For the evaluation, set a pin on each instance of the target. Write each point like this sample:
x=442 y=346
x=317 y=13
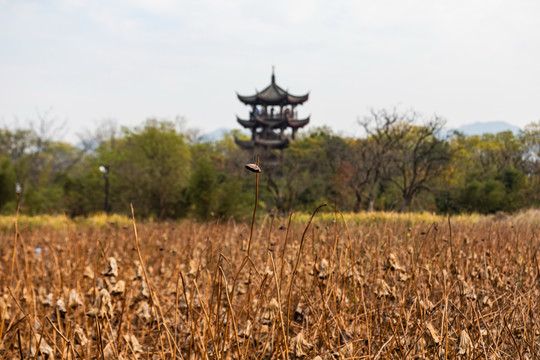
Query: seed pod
x=253 y=168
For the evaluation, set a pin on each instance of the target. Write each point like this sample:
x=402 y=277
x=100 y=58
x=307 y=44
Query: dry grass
x=390 y=289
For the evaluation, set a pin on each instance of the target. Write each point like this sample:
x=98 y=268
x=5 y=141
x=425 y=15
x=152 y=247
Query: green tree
x=7 y=182
x=203 y=183
x=149 y=167
x=303 y=174
x=486 y=174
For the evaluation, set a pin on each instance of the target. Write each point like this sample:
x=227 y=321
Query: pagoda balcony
x=271 y=116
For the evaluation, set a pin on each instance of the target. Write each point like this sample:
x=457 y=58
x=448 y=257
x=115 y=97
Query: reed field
x=331 y=286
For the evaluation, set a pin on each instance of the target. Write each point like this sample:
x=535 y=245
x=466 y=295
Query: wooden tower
x=273 y=111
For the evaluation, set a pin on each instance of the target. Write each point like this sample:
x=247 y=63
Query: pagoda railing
x=277 y=116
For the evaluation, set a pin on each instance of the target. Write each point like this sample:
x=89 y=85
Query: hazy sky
x=128 y=60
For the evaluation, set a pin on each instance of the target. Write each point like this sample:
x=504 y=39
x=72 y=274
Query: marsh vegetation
x=376 y=286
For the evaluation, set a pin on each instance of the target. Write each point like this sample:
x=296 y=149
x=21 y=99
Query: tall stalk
x=15 y=237
x=255 y=207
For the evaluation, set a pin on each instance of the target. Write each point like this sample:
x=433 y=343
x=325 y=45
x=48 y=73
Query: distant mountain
x=214 y=135
x=477 y=128
x=490 y=127
x=217 y=135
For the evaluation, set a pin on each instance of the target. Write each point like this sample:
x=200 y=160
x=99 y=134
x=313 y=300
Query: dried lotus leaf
x=323 y=269
x=61 y=306
x=382 y=289
x=88 y=273
x=300 y=346
x=80 y=337
x=102 y=305
x=119 y=288
x=112 y=267
x=74 y=299
x=465 y=343
x=433 y=337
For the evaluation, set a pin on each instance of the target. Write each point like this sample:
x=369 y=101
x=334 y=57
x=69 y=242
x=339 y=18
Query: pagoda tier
x=275 y=123
x=273 y=111
x=273 y=144
x=273 y=95
x=298 y=123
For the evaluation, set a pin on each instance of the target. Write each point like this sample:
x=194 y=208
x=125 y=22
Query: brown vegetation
x=391 y=290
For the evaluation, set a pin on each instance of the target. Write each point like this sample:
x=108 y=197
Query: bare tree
x=106 y=132
x=398 y=151
x=47 y=129
x=530 y=138
x=191 y=135
x=36 y=152
x=418 y=157
x=372 y=155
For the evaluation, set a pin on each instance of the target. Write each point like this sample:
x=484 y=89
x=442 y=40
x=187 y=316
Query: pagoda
x=273 y=110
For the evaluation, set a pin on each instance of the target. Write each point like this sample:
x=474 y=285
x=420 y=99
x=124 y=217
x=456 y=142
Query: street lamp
x=18 y=191
x=105 y=170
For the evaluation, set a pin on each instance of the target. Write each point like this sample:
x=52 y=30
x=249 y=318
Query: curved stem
x=15 y=238
x=254 y=209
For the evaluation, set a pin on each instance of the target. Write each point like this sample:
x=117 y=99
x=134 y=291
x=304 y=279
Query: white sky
x=128 y=60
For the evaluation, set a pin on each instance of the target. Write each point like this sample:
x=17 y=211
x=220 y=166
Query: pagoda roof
x=273 y=123
x=245 y=144
x=273 y=143
x=246 y=123
x=298 y=123
x=273 y=95
x=270 y=143
x=270 y=122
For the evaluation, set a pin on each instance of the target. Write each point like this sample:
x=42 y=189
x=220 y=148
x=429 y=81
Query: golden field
x=352 y=286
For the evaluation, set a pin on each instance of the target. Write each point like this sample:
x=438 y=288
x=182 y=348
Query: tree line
x=402 y=162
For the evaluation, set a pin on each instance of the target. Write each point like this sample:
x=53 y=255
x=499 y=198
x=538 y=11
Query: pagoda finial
x=273 y=76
